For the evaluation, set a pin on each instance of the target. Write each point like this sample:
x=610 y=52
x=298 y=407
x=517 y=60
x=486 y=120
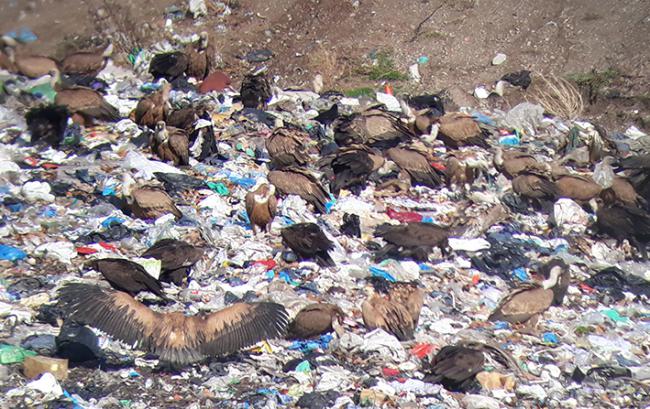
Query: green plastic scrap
x=125 y=403
x=303 y=367
x=219 y=187
x=11 y=354
x=614 y=316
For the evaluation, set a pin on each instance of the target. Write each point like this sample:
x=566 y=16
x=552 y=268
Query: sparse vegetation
x=126 y=33
x=594 y=81
x=383 y=68
x=360 y=92
x=327 y=62
x=559 y=97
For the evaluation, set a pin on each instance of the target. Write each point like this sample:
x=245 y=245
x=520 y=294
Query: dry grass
x=558 y=96
x=126 y=32
x=327 y=63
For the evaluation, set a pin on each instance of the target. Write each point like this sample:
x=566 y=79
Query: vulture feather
x=406 y=294
x=528 y=302
x=296 y=181
x=350 y=167
x=578 y=188
x=455 y=367
x=624 y=222
x=261 y=206
x=255 y=91
x=534 y=186
x=149 y=202
x=457 y=129
x=85 y=62
x=314 y=320
x=287 y=147
x=308 y=241
x=200 y=60
x=416 y=164
x=174 y=337
x=176 y=258
x=153 y=108
x=512 y=163
x=411 y=240
x=374 y=127
x=169 y=66
x=87 y=105
x=125 y=275
x=392 y=317
x=47 y=124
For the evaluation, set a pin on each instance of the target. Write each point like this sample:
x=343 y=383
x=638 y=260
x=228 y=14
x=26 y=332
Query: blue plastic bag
x=11 y=253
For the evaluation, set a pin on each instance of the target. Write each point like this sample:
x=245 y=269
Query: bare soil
x=336 y=37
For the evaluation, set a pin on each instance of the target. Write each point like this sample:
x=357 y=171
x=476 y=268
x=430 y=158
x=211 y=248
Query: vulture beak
x=593 y=203
x=338 y=327
x=554 y=275
x=108 y=51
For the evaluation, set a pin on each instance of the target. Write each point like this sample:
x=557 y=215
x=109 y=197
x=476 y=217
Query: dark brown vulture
x=622 y=192
x=84 y=104
x=417 y=164
x=194 y=62
x=578 y=188
x=85 y=62
x=308 y=241
x=171 y=145
x=526 y=303
x=176 y=256
x=31 y=66
x=623 y=222
x=149 y=202
x=455 y=367
x=261 y=206
x=373 y=127
x=297 y=181
x=255 y=91
x=393 y=307
x=534 y=186
x=350 y=167
x=457 y=129
x=512 y=163
x=314 y=320
x=411 y=240
x=125 y=275
x=153 y=108
x=47 y=124
x=177 y=339
x=288 y=147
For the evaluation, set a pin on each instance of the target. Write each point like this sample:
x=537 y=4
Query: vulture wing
x=297 y=182
x=175 y=338
x=522 y=304
x=152 y=203
x=179 y=144
x=416 y=165
x=168 y=65
x=174 y=254
x=82 y=63
x=389 y=316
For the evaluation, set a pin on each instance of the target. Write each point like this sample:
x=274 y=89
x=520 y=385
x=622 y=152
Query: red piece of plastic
x=404 y=217
x=49 y=166
x=388 y=89
x=269 y=264
x=438 y=166
x=217 y=81
x=584 y=287
x=86 y=250
x=475 y=279
x=390 y=372
x=31 y=161
x=107 y=246
x=421 y=350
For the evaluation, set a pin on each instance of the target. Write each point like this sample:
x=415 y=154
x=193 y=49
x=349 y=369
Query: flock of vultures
x=393 y=152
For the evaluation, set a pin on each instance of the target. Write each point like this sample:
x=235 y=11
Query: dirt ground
x=336 y=37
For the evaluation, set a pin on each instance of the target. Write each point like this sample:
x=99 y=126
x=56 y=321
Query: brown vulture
x=308 y=241
x=177 y=339
x=393 y=307
x=373 y=127
x=314 y=320
x=171 y=145
x=417 y=164
x=261 y=206
x=149 y=202
x=32 y=66
x=300 y=182
x=176 y=256
x=622 y=192
x=85 y=62
x=350 y=167
x=200 y=60
x=637 y=169
x=458 y=129
x=287 y=147
x=528 y=302
x=578 y=188
x=623 y=222
x=512 y=163
x=194 y=62
x=125 y=275
x=411 y=240
x=153 y=108
x=255 y=90
x=534 y=186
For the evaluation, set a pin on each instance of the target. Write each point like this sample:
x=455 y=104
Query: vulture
x=525 y=304
x=314 y=320
x=153 y=108
x=637 y=169
x=622 y=192
x=308 y=241
x=534 y=186
x=148 y=202
x=411 y=240
x=176 y=338
x=373 y=127
x=623 y=222
x=428 y=101
x=127 y=276
x=86 y=63
x=457 y=129
x=393 y=307
x=417 y=164
x=31 y=66
x=176 y=256
x=578 y=188
x=351 y=225
x=455 y=366
x=350 y=167
x=7 y=57
x=171 y=145
x=287 y=147
x=261 y=206
x=563 y=282
x=84 y=104
x=47 y=124
x=327 y=117
x=463 y=168
x=195 y=63
x=512 y=163
x=184 y=118
x=255 y=91
x=296 y=181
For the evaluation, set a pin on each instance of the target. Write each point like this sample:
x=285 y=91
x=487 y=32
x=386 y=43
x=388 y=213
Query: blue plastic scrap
x=550 y=338
x=110 y=221
x=378 y=272
x=520 y=274
x=11 y=253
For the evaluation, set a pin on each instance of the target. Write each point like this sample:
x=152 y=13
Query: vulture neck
x=498 y=157
x=55 y=80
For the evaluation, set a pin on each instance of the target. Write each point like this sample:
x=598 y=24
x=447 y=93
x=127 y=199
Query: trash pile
x=168 y=240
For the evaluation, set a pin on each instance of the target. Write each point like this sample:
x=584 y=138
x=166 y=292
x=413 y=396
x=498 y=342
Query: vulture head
x=263 y=192
x=9 y=47
x=161 y=135
x=203 y=40
x=128 y=185
x=554 y=276
x=498 y=157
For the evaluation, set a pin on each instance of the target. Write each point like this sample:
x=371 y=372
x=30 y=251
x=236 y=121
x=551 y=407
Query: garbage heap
x=465 y=208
